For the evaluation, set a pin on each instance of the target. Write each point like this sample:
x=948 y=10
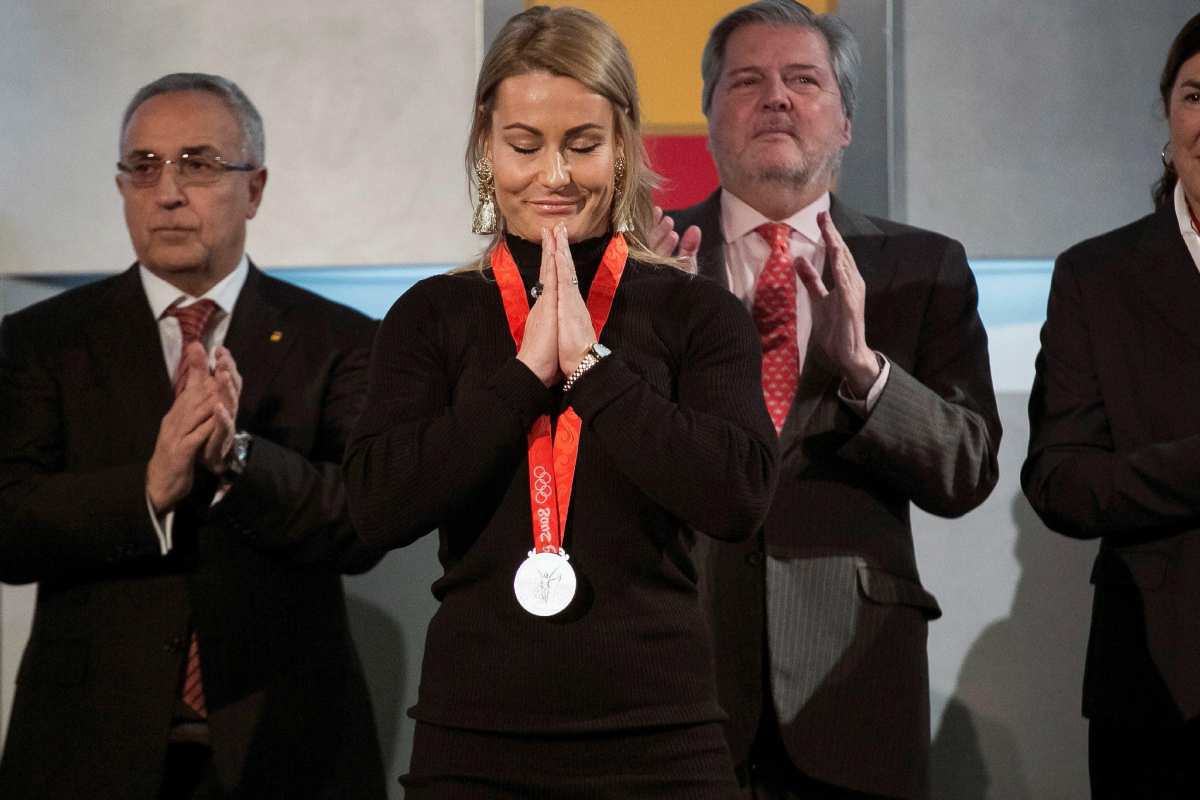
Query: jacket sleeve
x=425 y=445
x=709 y=456
x=1075 y=478
x=54 y=519
x=934 y=434
x=293 y=504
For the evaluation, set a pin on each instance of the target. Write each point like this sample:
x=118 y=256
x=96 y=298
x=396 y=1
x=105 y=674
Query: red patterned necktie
x=193 y=321
x=774 y=314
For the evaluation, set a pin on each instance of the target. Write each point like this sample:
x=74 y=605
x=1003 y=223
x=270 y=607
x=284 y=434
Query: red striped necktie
x=774 y=313
x=193 y=322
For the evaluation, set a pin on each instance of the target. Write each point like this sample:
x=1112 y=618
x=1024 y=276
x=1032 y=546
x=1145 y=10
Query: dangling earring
x=1166 y=162
x=484 y=221
x=620 y=220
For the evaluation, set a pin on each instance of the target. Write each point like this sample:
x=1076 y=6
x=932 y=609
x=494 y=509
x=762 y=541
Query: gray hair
x=254 y=148
x=844 y=54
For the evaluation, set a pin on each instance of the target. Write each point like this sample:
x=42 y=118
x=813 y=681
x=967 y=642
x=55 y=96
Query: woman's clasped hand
x=559 y=329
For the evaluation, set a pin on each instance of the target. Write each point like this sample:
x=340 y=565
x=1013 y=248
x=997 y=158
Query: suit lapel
x=1166 y=275
x=127 y=349
x=258 y=339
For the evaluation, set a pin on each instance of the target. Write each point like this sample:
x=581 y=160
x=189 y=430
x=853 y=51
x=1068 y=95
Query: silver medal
x=544 y=583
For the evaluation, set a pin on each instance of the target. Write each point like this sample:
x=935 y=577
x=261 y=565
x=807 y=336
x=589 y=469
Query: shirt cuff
x=162 y=527
x=864 y=407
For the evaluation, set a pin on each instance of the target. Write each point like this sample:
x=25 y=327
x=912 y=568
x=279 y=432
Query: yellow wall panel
x=665 y=39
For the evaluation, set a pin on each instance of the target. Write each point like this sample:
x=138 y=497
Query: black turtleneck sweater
x=675 y=438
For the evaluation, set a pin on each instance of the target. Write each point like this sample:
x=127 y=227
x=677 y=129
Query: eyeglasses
x=192 y=169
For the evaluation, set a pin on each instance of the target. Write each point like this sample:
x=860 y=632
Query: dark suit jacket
x=83 y=387
x=831 y=581
x=1114 y=452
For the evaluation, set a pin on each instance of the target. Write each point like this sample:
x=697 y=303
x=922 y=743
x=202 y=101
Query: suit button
x=754 y=559
x=174 y=645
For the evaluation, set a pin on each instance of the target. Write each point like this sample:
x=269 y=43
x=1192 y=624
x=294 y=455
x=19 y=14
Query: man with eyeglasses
x=169 y=448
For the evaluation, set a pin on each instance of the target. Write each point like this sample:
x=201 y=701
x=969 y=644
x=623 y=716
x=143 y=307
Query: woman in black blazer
x=1114 y=454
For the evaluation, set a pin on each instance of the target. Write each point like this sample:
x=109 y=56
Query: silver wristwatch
x=590 y=359
x=239 y=454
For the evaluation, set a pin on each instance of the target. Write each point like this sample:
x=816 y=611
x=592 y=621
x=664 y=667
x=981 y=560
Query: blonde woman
x=565 y=415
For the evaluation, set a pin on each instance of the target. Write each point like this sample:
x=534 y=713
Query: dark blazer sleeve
x=1075 y=477
x=293 y=503
x=934 y=433
x=55 y=518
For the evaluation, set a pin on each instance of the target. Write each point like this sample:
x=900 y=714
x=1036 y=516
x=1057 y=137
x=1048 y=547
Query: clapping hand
x=226 y=384
x=184 y=429
x=839 y=311
x=665 y=242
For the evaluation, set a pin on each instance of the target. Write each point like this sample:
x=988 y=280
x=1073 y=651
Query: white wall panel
x=366 y=105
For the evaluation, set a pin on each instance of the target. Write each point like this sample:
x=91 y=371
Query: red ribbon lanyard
x=552 y=459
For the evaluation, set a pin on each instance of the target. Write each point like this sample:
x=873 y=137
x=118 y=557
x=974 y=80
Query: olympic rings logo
x=541 y=485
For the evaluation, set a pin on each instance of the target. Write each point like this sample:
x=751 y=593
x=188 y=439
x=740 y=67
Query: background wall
x=364 y=102
x=1018 y=126
x=1027 y=126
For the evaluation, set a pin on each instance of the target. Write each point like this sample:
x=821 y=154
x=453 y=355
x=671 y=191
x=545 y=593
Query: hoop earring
x=1167 y=162
x=484 y=221
x=620 y=220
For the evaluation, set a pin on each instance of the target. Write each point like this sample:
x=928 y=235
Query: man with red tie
x=875 y=371
x=170 y=441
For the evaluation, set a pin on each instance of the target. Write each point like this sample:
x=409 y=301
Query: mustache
x=781 y=125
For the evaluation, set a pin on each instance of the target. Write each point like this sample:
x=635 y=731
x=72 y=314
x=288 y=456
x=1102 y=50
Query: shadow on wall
x=390 y=608
x=380 y=642
x=1013 y=729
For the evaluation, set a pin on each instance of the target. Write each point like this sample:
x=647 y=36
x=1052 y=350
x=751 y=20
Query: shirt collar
x=224 y=293
x=739 y=219
x=1181 y=212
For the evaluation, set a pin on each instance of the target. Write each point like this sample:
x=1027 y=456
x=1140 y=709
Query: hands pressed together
x=198 y=429
x=559 y=329
x=839 y=310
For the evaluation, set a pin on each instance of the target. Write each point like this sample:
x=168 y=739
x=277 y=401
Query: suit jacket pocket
x=885 y=588
x=1146 y=569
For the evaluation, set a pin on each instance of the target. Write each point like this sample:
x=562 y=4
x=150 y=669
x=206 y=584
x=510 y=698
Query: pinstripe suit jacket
x=831 y=580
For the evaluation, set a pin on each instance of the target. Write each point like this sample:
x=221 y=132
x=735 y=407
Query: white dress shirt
x=162 y=296
x=746 y=254
x=1190 y=237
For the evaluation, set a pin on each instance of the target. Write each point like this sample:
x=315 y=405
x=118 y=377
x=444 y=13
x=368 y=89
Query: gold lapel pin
x=276 y=336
